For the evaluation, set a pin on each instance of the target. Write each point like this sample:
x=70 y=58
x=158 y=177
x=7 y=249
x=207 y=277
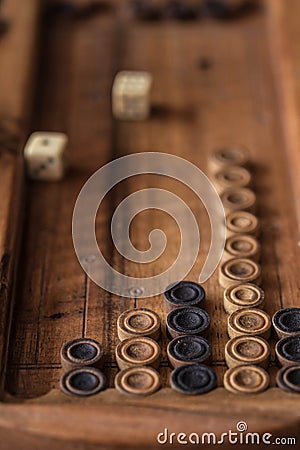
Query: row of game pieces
x=247 y=353
x=185 y=302
x=183 y=10
x=138 y=354
x=186 y=326
x=248 y=326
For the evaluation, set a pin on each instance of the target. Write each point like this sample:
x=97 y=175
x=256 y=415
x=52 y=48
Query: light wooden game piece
x=232 y=176
x=131 y=95
x=228 y=156
x=239 y=270
x=242 y=246
x=138 y=322
x=45 y=155
x=241 y=222
x=249 y=322
x=138 y=381
x=243 y=296
x=140 y=351
x=244 y=350
x=246 y=380
x=235 y=199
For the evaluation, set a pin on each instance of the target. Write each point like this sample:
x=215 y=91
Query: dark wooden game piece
x=242 y=246
x=83 y=382
x=246 y=379
x=188 y=350
x=193 y=379
x=235 y=199
x=244 y=350
x=141 y=351
x=184 y=293
x=288 y=350
x=228 y=9
x=250 y=322
x=137 y=323
x=288 y=378
x=146 y=11
x=239 y=270
x=180 y=10
x=187 y=321
x=242 y=222
x=138 y=381
x=81 y=352
x=286 y=322
x=243 y=296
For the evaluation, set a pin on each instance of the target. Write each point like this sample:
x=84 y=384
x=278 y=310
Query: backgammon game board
x=149 y=224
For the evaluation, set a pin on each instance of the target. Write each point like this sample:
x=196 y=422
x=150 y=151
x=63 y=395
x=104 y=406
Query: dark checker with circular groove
x=188 y=350
x=184 y=293
x=288 y=350
x=193 y=379
x=189 y=320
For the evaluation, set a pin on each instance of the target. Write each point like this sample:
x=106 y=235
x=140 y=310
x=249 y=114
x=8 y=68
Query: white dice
x=131 y=95
x=45 y=157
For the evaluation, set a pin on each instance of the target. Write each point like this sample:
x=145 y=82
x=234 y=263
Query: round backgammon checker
x=83 y=382
x=249 y=322
x=239 y=270
x=184 y=293
x=246 y=379
x=193 y=379
x=241 y=246
x=187 y=321
x=232 y=176
x=188 y=350
x=288 y=350
x=244 y=350
x=242 y=222
x=233 y=155
x=81 y=352
x=235 y=199
x=139 y=322
x=286 y=322
x=138 y=381
x=288 y=379
x=243 y=296
x=141 y=351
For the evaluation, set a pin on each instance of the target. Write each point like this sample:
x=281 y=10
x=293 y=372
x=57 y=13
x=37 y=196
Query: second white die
x=131 y=95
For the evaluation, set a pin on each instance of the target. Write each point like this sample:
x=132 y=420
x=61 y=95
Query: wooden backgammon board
x=217 y=81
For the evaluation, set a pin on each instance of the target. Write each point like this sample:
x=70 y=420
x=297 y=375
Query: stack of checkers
x=247 y=353
x=138 y=354
x=188 y=351
x=81 y=360
x=286 y=323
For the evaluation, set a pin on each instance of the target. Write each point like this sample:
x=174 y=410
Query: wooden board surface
x=236 y=97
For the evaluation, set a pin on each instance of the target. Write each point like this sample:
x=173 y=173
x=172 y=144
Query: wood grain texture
x=17 y=58
x=235 y=99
